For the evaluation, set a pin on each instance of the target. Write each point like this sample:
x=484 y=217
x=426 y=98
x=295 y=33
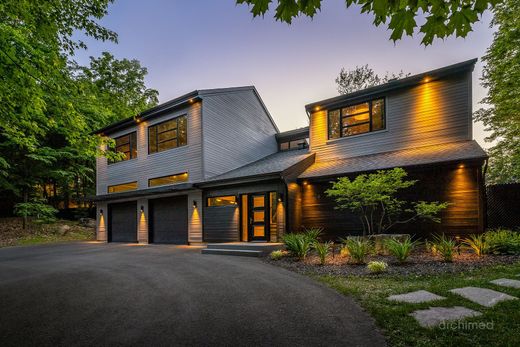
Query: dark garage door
x=169 y=220
x=122 y=225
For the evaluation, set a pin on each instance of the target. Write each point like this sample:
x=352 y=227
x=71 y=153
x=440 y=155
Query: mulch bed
x=419 y=263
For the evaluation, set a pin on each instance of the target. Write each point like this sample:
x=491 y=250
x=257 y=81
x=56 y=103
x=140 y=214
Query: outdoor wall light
x=101 y=212
x=280 y=197
x=194 y=203
x=142 y=209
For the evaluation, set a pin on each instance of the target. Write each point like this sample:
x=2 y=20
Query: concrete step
x=236 y=252
x=263 y=247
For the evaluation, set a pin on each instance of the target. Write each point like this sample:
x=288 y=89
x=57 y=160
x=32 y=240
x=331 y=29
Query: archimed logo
x=461 y=325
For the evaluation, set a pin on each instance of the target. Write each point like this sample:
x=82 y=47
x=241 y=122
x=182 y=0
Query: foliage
x=401 y=250
x=358 y=248
x=377 y=266
x=441 y=18
x=444 y=246
x=323 y=250
x=362 y=77
x=298 y=244
x=373 y=198
x=500 y=76
x=277 y=255
x=343 y=251
x=477 y=243
x=312 y=234
x=503 y=241
x=37 y=209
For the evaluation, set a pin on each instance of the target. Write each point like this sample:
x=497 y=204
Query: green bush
x=277 y=255
x=298 y=244
x=358 y=249
x=444 y=246
x=37 y=208
x=377 y=266
x=313 y=234
x=401 y=250
x=477 y=243
x=323 y=250
x=503 y=241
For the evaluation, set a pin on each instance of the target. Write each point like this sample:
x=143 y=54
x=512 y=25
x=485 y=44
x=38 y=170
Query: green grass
x=52 y=238
x=402 y=330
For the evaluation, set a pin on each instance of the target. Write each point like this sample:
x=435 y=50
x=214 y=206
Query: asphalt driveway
x=116 y=294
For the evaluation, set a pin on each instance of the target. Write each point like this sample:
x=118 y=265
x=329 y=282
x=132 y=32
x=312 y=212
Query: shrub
x=377 y=266
x=444 y=246
x=400 y=249
x=477 y=243
x=277 y=255
x=298 y=244
x=503 y=241
x=323 y=250
x=358 y=248
x=312 y=234
x=343 y=251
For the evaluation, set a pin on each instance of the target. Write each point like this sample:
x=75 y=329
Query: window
x=172 y=179
x=118 y=188
x=222 y=201
x=295 y=144
x=167 y=135
x=357 y=119
x=126 y=144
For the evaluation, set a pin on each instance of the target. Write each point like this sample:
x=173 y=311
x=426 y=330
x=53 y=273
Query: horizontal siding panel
x=221 y=224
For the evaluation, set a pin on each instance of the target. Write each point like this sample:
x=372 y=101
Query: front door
x=258 y=217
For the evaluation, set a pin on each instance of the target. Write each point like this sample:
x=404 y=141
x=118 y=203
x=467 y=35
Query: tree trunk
x=25 y=200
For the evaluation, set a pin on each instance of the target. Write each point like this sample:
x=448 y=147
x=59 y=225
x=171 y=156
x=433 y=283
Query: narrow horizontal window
x=172 y=179
x=126 y=144
x=168 y=134
x=222 y=201
x=295 y=144
x=118 y=188
x=357 y=119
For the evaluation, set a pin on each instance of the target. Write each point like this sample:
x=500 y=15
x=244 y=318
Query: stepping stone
x=483 y=296
x=506 y=282
x=415 y=297
x=434 y=316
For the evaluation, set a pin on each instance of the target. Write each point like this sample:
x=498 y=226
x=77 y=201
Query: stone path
x=434 y=316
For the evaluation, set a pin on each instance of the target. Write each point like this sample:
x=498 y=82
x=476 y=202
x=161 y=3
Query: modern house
x=212 y=166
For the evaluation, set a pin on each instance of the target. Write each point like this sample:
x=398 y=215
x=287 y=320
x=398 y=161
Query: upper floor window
x=168 y=134
x=357 y=119
x=295 y=144
x=171 y=179
x=126 y=144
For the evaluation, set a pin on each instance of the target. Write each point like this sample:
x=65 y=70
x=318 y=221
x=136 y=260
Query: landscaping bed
x=13 y=234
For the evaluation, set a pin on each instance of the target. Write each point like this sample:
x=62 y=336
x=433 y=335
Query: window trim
x=109 y=162
x=176 y=138
x=168 y=184
x=369 y=122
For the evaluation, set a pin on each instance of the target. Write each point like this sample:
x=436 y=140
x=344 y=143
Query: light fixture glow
x=142 y=209
x=194 y=203
x=101 y=212
x=427 y=79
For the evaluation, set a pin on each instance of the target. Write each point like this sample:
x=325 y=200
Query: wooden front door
x=258 y=217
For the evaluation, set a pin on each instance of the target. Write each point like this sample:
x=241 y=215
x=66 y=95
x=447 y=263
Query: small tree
x=374 y=198
x=35 y=208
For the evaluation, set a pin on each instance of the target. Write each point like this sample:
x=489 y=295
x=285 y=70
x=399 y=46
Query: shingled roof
x=449 y=152
x=272 y=164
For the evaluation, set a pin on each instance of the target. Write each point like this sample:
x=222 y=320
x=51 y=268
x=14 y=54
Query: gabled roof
x=444 y=153
x=179 y=102
x=393 y=85
x=274 y=164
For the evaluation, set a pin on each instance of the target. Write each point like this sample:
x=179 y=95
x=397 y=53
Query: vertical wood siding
x=177 y=160
x=236 y=131
x=427 y=114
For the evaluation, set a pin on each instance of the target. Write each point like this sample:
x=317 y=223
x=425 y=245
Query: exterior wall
x=427 y=114
x=195 y=217
x=142 y=221
x=236 y=131
x=101 y=221
x=177 y=160
x=461 y=187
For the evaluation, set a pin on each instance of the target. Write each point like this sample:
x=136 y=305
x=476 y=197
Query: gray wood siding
x=236 y=131
x=177 y=160
x=427 y=114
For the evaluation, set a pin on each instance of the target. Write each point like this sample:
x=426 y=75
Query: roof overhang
x=177 y=188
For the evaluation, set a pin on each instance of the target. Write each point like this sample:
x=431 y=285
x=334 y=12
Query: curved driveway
x=115 y=294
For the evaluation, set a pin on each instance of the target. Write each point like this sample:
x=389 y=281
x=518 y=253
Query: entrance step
x=237 y=252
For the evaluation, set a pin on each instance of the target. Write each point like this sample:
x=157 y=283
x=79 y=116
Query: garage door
x=122 y=225
x=169 y=220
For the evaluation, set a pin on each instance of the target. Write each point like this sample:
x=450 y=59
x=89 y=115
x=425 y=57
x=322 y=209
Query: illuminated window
x=172 y=179
x=357 y=119
x=118 y=188
x=126 y=144
x=222 y=201
x=295 y=144
x=167 y=135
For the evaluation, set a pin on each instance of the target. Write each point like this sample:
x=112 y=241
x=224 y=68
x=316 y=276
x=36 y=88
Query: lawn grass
x=502 y=326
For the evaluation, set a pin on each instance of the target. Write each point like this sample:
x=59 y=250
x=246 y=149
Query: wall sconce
x=101 y=212
x=194 y=203
x=280 y=197
x=142 y=209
